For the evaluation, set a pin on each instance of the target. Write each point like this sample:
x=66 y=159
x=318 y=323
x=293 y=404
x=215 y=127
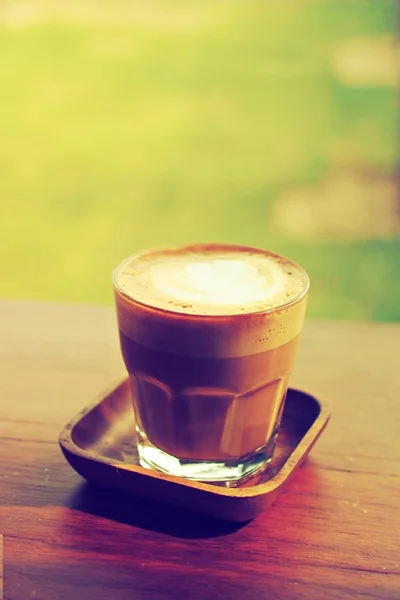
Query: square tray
x=99 y=443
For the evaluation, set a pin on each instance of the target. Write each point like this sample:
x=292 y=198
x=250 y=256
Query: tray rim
x=68 y=446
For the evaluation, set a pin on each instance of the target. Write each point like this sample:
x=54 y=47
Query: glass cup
x=208 y=391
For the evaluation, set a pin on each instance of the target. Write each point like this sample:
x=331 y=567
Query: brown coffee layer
x=208 y=408
x=223 y=336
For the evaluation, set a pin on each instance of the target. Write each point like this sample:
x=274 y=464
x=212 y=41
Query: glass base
x=229 y=472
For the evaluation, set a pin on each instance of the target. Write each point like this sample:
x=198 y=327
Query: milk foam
x=211 y=280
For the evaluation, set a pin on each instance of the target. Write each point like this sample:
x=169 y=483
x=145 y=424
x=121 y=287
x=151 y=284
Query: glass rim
x=300 y=296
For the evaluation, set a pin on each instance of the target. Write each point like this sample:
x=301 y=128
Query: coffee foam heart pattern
x=211 y=280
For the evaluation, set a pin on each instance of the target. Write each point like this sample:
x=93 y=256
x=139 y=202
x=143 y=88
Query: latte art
x=211 y=280
x=220 y=282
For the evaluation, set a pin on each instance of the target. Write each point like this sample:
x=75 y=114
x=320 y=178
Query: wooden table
x=333 y=533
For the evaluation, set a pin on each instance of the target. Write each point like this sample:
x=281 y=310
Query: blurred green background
x=131 y=124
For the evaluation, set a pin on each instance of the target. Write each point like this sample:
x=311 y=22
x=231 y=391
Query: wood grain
x=333 y=533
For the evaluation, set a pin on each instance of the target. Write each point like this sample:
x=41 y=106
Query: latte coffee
x=209 y=336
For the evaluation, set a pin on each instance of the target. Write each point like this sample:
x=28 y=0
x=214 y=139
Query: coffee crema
x=210 y=300
x=208 y=280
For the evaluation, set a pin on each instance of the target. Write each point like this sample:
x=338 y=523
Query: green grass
x=124 y=127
